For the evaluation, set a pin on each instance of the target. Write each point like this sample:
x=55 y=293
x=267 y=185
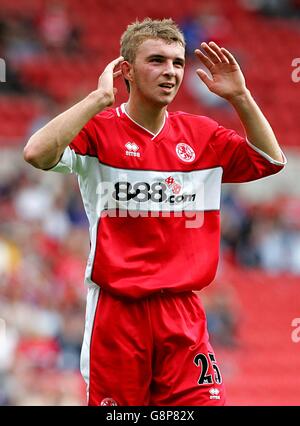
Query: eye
x=158 y=60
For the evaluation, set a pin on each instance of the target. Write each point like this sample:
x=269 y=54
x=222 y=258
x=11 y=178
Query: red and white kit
x=153 y=204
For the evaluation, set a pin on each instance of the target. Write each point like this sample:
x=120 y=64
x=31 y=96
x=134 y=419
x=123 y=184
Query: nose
x=169 y=69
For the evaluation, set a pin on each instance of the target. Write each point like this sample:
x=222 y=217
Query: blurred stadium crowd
x=44 y=242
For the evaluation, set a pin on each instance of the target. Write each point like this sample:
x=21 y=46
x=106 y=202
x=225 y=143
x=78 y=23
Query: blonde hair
x=137 y=32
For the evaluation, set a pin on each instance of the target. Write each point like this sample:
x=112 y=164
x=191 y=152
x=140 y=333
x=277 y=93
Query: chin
x=164 y=101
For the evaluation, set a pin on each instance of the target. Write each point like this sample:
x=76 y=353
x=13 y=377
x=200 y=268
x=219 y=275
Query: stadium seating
x=265 y=55
x=266 y=360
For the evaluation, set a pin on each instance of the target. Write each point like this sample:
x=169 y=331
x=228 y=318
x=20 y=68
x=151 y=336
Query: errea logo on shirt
x=132 y=149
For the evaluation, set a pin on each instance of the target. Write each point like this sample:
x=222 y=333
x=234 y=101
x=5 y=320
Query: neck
x=151 y=118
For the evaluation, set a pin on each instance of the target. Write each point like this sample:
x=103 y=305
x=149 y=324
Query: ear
x=127 y=71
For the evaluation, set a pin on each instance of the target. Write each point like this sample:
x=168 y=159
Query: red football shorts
x=152 y=351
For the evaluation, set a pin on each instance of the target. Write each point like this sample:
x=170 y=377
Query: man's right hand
x=106 y=89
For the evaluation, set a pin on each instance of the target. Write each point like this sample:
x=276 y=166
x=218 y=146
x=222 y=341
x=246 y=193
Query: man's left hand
x=227 y=78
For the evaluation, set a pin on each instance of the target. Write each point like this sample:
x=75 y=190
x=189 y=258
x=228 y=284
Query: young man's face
x=157 y=71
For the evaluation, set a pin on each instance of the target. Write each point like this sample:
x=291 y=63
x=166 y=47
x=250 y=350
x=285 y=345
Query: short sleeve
x=85 y=144
x=241 y=161
x=68 y=162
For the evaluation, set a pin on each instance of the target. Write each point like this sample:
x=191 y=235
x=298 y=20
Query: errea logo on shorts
x=185 y=152
x=132 y=149
x=214 y=393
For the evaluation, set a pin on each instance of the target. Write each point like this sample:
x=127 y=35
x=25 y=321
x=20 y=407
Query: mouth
x=167 y=86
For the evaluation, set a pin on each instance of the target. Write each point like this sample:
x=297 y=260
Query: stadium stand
x=57 y=70
x=260 y=368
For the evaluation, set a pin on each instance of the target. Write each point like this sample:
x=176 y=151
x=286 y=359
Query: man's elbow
x=32 y=156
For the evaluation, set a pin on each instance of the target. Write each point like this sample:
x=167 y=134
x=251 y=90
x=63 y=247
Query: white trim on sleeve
x=270 y=159
x=65 y=163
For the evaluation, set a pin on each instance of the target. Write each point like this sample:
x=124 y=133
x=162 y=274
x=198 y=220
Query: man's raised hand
x=106 y=87
x=227 y=78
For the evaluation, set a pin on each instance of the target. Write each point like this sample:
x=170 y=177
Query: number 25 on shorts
x=201 y=360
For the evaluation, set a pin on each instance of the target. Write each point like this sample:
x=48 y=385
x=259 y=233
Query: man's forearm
x=45 y=147
x=257 y=127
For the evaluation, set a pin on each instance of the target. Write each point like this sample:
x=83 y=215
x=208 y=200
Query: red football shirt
x=153 y=201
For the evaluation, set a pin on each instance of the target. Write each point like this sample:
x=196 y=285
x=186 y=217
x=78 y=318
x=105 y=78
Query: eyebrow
x=156 y=56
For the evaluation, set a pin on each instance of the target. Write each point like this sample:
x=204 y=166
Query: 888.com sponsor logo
x=154 y=198
x=156 y=192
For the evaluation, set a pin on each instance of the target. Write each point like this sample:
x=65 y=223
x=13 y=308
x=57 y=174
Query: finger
x=213 y=56
x=204 y=59
x=113 y=64
x=117 y=74
x=229 y=56
x=219 y=52
x=108 y=73
x=204 y=77
x=117 y=61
